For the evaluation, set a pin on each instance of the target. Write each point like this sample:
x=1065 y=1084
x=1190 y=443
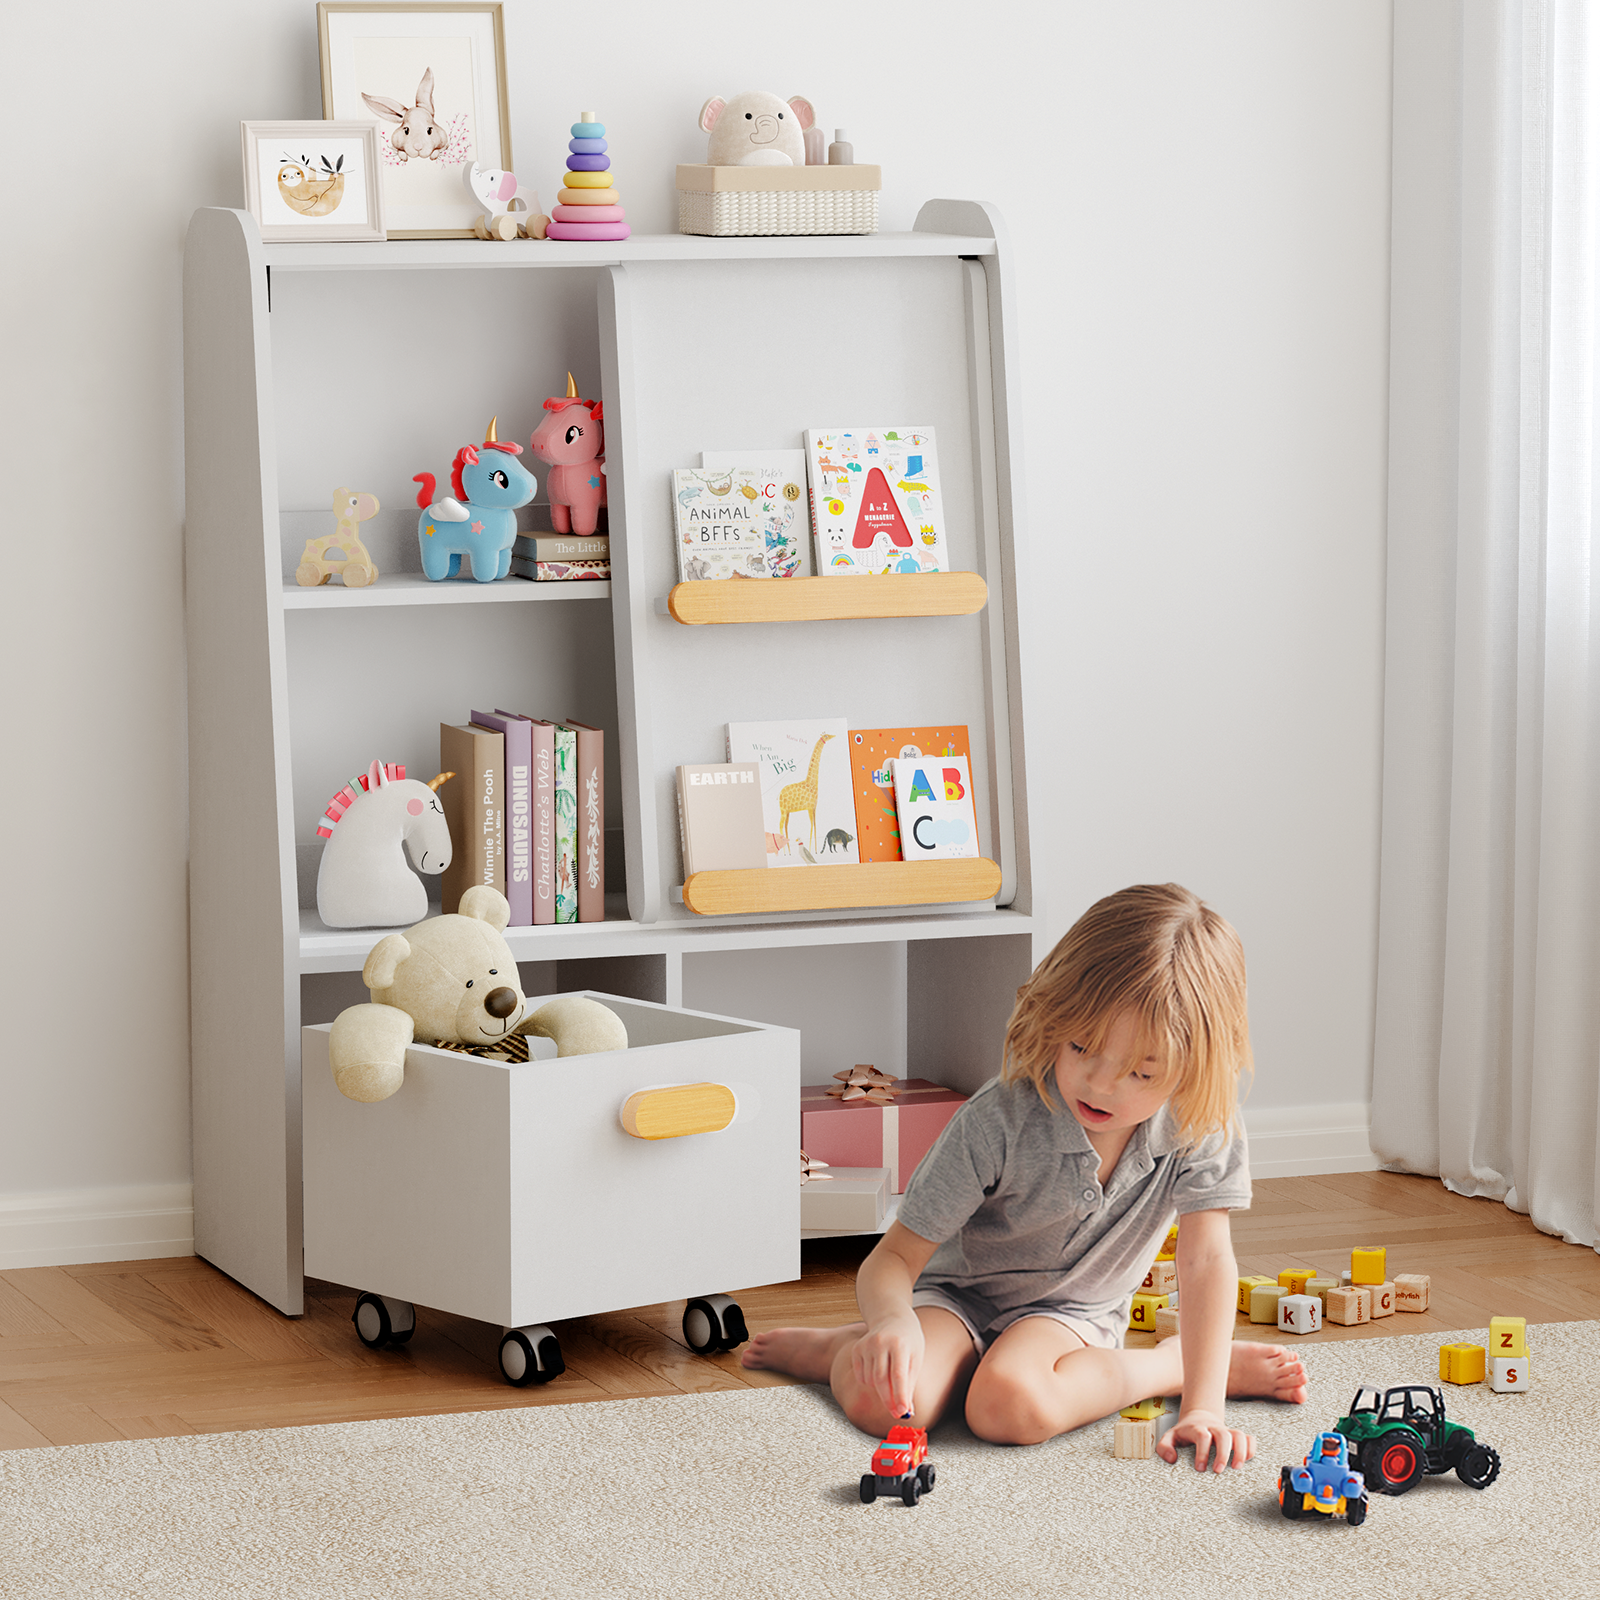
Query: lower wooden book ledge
x=868 y=883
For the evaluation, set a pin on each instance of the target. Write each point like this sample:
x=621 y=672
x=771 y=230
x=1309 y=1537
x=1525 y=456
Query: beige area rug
x=754 y=1494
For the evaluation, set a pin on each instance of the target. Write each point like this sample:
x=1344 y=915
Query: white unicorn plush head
x=373 y=825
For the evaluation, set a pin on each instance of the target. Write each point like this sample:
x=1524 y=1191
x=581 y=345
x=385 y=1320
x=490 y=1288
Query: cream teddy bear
x=453 y=980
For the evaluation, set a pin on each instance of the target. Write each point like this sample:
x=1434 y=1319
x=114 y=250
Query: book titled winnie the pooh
x=872 y=755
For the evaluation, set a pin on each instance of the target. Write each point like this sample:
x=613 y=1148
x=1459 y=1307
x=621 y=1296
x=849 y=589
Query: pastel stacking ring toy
x=588 y=207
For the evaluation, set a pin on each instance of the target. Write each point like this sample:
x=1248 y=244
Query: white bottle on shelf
x=841 y=153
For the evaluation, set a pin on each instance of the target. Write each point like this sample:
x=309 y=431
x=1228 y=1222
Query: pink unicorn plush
x=572 y=440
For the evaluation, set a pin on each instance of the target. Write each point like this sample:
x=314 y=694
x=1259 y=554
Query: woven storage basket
x=726 y=201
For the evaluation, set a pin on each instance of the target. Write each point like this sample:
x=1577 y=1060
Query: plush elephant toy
x=756 y=130
x=453 y=979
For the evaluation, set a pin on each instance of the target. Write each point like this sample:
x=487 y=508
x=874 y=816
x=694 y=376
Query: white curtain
x=1487 y=1048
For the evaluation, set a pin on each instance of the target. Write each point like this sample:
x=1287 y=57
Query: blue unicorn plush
x=481 y=520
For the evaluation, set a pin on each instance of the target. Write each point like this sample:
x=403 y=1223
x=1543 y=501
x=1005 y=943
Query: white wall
x=1199 y=201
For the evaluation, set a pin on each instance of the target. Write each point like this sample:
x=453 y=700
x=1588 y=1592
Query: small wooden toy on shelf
x=571 y=441
x=507 y=214
x=588 y=206
x=354 y=564
x=480 y=521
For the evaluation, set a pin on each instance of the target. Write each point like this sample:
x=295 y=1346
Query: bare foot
x=804 y=1353
x=1265 y=1372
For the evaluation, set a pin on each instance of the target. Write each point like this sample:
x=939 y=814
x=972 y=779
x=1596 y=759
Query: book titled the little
x=739 y=522
x=933 y=797
x=875 y=504
x=873 y=752
x=807 y=813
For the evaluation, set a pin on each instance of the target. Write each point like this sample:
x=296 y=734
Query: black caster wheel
x=381 y=1320
x=713 y=1324
x=530 y=1355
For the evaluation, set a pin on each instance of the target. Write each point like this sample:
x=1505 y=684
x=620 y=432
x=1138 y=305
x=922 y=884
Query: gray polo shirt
x=1009 y=1192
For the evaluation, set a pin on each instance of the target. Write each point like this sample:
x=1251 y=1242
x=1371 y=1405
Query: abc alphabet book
x=875 y=504
x=873 y=752
x=933 y=796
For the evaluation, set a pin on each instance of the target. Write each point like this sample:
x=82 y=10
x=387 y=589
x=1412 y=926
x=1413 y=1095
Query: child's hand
x=1212 y=1438
x=887 y=1360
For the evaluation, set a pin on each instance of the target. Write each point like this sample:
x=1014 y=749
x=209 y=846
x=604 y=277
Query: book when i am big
x=808 y=816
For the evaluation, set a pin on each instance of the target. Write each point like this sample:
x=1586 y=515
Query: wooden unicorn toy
x=480 y=521
x=357 y=567
x=572 y=440
x=372 y=825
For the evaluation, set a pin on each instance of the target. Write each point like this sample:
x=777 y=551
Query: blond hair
x=1160 y=955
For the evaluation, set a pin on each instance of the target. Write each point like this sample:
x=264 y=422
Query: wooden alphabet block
x=1350 y=1305
x=1170 y=1245
x=1411 y=1291
x=1382 y=1300
x=1144 y=1410
x=1510 y=1375
x=1508 y=1336
x=1264 y=1300
x=1142 y=1318
x=1367 y=1265
x=1134 y=1440
x=1462 y=1363
x=1319 y=1286
x=1166 y=1322
x=1299 y=1313
x=1246 y=1285
x=1162 y=1278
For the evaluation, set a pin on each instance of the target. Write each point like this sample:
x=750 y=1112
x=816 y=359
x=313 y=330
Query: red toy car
x=900 y=1466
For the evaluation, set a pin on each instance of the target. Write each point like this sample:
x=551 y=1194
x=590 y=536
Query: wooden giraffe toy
x=357 y=568
x=794 y=798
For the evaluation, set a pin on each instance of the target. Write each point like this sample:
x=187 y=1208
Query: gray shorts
x=1097 y=1329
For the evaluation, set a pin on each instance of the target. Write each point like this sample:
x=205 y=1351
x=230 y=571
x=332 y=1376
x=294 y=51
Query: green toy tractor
x=1402 y=1433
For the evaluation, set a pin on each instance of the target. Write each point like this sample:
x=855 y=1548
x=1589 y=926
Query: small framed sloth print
x=313 y=180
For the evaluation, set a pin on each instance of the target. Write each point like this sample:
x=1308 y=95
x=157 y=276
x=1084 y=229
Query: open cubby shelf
x=308 y=366
x=922 y=594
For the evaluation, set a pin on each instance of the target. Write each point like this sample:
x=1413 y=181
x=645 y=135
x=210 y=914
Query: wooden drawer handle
x=685 y=1108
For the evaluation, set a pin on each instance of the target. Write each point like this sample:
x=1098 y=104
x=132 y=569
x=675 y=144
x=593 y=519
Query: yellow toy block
x=1411 y=1291
x=1246 y=1285
x=1462 y=1363
x=1510 y=1375
x=1166 y=1322
x=1264 y=1300
x=1350 y=1306
x=1142 y=1319
x=1134 y=1440
x=1319 y=1286
x=1144 y=1411
x=1169 y=1246
x=1162 y=1278
x=1367 y=1266
x=1382 y=1300
x=1508 y=1336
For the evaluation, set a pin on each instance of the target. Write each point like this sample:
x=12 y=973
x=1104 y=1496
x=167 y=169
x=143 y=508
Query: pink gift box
x=860 y=1133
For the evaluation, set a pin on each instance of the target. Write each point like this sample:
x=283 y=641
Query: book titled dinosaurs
x=875 y=503
x=807 y=810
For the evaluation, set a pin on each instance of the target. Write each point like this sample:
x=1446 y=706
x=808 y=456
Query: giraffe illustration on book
x=793 y=798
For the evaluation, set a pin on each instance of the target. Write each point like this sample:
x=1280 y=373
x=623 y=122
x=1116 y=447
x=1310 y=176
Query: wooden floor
x=156 y=1349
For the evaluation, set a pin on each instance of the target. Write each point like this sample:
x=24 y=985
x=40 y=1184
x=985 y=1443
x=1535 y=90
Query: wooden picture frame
x=431 y=78
x=313 y=180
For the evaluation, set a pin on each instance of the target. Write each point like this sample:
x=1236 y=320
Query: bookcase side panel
x=959 y=995
x=243 y=985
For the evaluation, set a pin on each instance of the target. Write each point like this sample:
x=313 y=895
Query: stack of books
x=527 y=815
x=561 y=557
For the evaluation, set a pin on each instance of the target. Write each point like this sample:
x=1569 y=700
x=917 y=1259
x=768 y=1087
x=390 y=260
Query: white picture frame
x=431 y=78
x=313 y=181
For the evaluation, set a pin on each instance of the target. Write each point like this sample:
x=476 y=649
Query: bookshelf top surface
x=644 y=247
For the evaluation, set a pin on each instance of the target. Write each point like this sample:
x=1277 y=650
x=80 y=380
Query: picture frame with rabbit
x=434 y=78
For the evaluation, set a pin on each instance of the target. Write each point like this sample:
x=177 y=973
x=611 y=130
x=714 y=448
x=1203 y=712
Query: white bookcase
x=314 y=366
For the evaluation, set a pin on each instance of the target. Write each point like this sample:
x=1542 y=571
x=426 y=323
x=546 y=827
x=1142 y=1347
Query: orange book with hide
x=872 y=778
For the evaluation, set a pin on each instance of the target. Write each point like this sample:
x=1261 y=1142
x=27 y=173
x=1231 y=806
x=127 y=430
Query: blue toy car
x=1325 y=1483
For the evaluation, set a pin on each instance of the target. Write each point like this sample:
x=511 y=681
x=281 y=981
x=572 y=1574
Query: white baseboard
x=1301 y=1141
x=68 y=1227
